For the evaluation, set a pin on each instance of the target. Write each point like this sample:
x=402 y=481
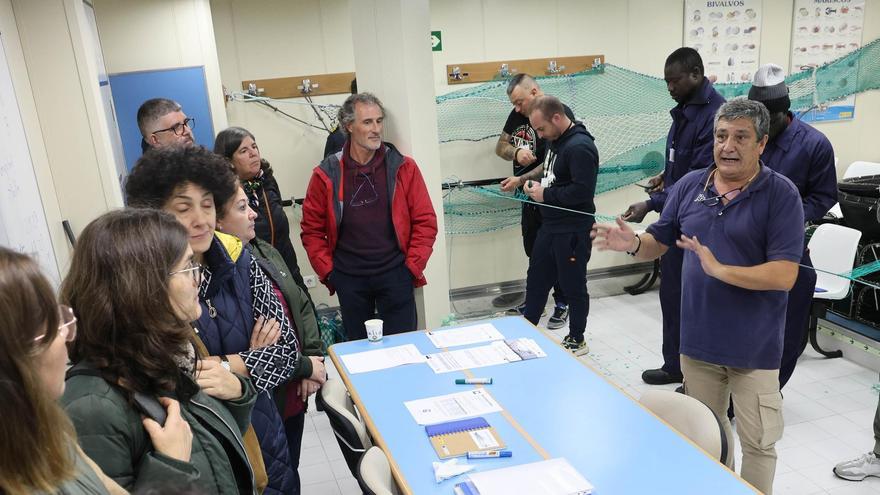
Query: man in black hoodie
x=562 y=247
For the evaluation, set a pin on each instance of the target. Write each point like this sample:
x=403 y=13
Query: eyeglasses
x=196 y=270
x=67 y=328
x=362 y=196
x=177 y=129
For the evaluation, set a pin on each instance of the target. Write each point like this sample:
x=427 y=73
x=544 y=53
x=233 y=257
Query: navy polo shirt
x=690 y=139
x=806 y=157
x=721 y=323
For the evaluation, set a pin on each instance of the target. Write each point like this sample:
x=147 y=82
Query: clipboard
x=457 y=438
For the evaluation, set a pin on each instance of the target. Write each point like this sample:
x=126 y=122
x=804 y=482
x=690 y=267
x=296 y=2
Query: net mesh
x=628 y=114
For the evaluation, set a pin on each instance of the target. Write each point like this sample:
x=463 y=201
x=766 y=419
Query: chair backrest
x=351 y=433
x=691 y=418
x=374 y=474
x=860 y=169
x=833 y=249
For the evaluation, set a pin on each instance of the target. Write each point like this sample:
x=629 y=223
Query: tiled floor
x=828 y=407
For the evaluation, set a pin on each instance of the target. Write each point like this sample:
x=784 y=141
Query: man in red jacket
x=368 y=224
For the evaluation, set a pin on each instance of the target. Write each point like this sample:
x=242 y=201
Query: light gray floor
x=828 y=407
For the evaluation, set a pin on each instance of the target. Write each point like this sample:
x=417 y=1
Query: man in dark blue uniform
x=740 y=225
x=688 y=147
x=804 y=155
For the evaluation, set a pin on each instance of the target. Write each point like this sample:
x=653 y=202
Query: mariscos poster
x=727 y=33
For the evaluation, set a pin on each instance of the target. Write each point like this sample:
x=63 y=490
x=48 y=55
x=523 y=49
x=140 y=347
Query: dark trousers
x=670 y=306
x=531 y=223
x=560 y=258
x=877 y=430
x=293 y=427
x=390 y=294
x=797 y=319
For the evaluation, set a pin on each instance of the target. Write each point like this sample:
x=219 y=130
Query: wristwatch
x=224 y=361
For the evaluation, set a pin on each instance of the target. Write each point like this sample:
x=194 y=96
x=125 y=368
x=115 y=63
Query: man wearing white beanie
x=804 y=155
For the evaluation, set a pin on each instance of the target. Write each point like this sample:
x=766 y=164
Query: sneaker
x=575 y=347
x=521 y=310
x=859 y=469
x=559 y=318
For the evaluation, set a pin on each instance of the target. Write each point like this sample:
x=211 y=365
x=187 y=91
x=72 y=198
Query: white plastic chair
x=691 y=418
x=832 y=249
x=855 y=169
x=351 y=433
x=374 y=474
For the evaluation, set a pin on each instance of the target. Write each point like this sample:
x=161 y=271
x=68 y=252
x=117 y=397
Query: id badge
x=545 y=182
x=671 y=155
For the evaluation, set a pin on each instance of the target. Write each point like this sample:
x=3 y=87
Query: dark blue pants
x=531 y=223
x=562 y=258
x=797 y=319
x=670 y=306
x=389 y=294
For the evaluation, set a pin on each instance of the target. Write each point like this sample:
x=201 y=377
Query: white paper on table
x=472 y=334
x=526 y=348
x=473 y=357
x=451 y=407
x=550 y=477
x=380 y=359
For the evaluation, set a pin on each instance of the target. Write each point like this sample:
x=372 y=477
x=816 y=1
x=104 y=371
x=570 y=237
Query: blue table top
x=565 y=407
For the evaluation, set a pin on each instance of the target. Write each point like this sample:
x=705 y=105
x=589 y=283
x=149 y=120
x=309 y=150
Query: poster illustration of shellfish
x=727 y=34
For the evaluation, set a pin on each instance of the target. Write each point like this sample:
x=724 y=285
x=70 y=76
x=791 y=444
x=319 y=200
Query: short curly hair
x=159 y=173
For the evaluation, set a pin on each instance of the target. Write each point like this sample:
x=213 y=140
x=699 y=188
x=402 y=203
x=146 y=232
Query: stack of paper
x=380 y=359
x=498 y=352
x=550 y=477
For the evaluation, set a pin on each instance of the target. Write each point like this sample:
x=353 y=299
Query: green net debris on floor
x=628 y=114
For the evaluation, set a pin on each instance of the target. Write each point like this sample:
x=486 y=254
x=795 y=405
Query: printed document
x=380 y=359
x=550 y=477
x=451 y=407
x=497 y=352
x=472 y=334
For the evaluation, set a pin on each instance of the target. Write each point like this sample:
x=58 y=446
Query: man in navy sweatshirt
x=563 y=245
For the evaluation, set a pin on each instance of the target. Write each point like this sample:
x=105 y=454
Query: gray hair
x=522 y=79
x=346 y=112
x=152 y=110
x=743 y=108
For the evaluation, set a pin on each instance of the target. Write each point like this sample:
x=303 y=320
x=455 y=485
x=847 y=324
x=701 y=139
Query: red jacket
x=412 y=214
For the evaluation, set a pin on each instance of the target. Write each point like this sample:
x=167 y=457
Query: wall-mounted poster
x=822 y=31
x=727 y=33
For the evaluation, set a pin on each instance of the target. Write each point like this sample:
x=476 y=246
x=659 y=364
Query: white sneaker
x=859 y=469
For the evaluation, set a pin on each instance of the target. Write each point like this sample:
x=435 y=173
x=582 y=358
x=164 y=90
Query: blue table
x=554 y=407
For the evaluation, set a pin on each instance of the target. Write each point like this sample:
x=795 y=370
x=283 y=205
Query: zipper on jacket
x=237 y=439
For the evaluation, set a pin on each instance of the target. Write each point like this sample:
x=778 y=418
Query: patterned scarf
x=252 y=188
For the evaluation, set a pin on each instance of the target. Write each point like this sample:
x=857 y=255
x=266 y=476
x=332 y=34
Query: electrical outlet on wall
x=311 y=281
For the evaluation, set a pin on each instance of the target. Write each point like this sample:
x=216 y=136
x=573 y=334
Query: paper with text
x=472 y=334
x=550 y=477
x=451 y=407
x=380 y=359
x=474 y=357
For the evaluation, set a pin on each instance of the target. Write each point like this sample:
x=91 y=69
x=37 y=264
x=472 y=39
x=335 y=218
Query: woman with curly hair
x=240 y=309
x=134 y=287
x=38 y=449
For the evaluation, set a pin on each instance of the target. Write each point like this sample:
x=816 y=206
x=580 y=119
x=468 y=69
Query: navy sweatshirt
x=572 y=167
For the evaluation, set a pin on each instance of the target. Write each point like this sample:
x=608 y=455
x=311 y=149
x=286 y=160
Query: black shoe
x=680 y=389
x=660 y=376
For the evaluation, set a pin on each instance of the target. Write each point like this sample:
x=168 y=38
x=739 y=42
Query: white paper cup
x=374 y=330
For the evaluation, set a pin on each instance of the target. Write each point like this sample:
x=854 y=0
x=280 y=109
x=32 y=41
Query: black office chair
x=351 y=433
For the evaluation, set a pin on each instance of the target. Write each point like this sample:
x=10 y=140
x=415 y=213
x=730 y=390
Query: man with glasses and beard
x=368 y=225
x=162 y=124
x=741 y=227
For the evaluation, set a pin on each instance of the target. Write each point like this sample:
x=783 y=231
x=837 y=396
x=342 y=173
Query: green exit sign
x=436 y=41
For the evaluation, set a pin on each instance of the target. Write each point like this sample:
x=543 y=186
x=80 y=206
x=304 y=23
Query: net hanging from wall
x=628 y=114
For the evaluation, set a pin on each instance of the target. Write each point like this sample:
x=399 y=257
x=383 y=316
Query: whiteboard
x=23 y=224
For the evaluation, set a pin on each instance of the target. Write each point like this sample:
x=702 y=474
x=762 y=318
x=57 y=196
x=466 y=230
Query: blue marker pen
x=487 y=454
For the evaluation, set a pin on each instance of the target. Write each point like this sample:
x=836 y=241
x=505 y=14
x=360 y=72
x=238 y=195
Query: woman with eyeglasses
x=38 y=449
x=240 y=309
x=134 y=288
x=239 y=146
x=237 y=218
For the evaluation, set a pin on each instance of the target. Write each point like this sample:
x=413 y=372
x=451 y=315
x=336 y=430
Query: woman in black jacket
x=239 y=146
